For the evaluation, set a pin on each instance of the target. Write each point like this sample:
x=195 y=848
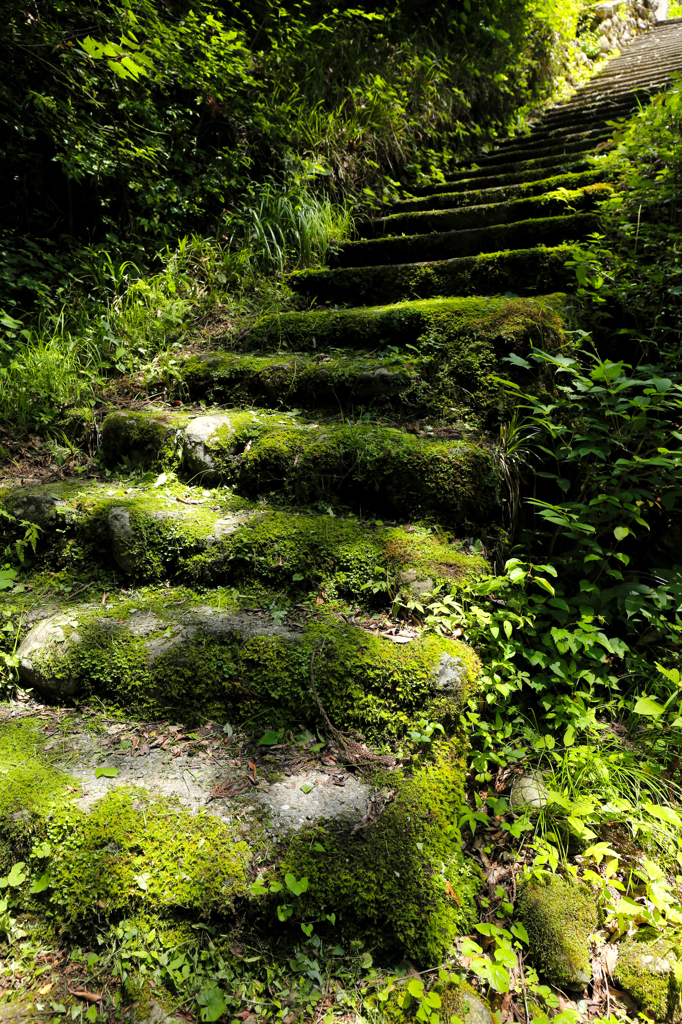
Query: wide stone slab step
x=433 y=359
x=531 y=154
x=198 y=661
x=453 y=321
x=530 y=272
x=378 y=468
x=505 y=193
x=176 y=534
x=568 y=166
x=510 y=165
x=443 y=245
x=470 y=218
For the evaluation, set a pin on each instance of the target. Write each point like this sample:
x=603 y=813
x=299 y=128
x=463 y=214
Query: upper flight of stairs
x=481 y=230
x=405 y=327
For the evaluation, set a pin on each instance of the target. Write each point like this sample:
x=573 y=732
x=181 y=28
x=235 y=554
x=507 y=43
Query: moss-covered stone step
x=538 y=139
x=380 y=468
x=199 y=659
x=450 y=322
x=534 y=153
x=593 y=121
x=482 y=197
x=448 y=374
x=440 y=245
x=526 y=271
x=508 y=165
x=504 y=180
x=147 y=865
x=473 y=218
x=217 y=540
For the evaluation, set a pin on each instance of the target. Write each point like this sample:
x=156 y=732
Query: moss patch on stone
x=504 y=193
x=380 y=468
x=144 y=439
x=388 y=882
x=340 y=557
x=469 y=218
x=439 y=245
x=534 y=271
x=202 y=663
x=644 y=969
x=136 y=852
x=514 y=323
x=559 y=916
x=131 y=852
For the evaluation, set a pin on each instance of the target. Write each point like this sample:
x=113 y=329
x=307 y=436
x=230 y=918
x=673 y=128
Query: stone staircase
x=338 y=468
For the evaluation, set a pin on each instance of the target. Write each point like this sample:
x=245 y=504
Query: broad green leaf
x=40 y=884
x=270 y=738
x=416 y=988
x=108 y=773
x=520 y=932
x=16 y=876
x=621 y=532
x=213 y=1003
x=648 y=707
x=297 y=887
x=470 y=948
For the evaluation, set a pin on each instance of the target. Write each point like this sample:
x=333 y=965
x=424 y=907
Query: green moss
x=515 y=323
x=466 y=218
x=559 y=916
x=34 y=784
x=141 y=438
x=378 y=467
x=478 y=197
x=339 y=557
x=644 y=971
x=203 y=664
x=137 y=851
x=388 y=882
x=439 y=245
x=459 y=999
x=132 y=851
x=440 y=357
x=534 y=271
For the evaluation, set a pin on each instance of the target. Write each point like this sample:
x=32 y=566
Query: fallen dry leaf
x=45 y=989
x=89 y=997
x=253 y=768
x=609 y=958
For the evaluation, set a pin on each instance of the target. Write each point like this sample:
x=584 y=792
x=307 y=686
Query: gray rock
x=121 y=533
x=197 y=456
x=42 y=509
x=529 y=792
x=21 y=1011
x=225 y=527
x=450 y=675
x=43 y=655
x=478 y=1012
x=291 y=809
x=157 y=1015
x=410 y=579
